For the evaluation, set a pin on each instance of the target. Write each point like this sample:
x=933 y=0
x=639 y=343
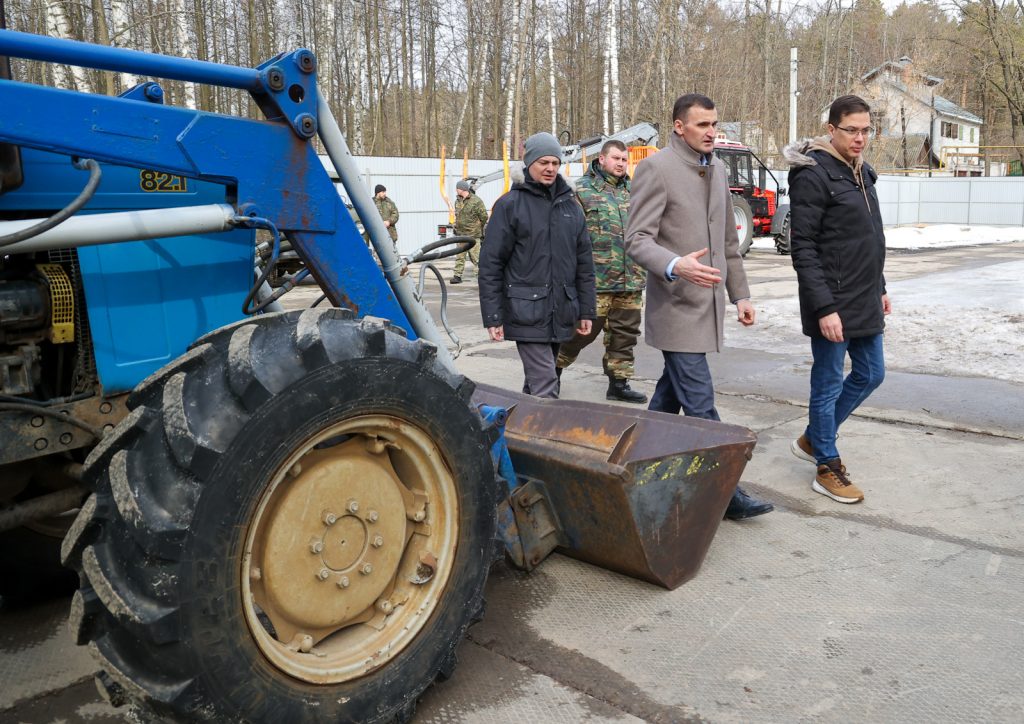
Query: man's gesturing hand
x=831 y=327
x=693 y=271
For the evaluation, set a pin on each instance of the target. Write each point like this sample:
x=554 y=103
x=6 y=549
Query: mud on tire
x=236 y=461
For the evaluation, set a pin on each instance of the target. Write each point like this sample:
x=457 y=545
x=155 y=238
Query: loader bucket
x=633 y=491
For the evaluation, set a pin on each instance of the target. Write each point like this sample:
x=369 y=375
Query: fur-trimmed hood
x=796 y=154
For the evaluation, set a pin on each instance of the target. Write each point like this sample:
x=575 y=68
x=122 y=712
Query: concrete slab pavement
x=904 y=608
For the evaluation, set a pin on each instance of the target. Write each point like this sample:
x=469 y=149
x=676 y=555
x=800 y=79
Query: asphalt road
x=904 y=608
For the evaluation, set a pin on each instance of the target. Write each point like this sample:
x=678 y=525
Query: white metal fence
x=413 y=184
x=988 y=201
x=991 y=201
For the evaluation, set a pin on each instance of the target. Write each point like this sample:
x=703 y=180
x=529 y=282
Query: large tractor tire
x=782 y=239
x=293 y=524
x=744 y=223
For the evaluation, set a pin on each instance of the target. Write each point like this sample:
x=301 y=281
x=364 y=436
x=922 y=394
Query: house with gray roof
x=914 y=122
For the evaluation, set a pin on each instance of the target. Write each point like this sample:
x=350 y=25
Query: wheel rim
x=350 y=549
x=741 y=224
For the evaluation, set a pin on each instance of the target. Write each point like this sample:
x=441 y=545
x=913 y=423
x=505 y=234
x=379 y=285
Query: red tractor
x=756 y=207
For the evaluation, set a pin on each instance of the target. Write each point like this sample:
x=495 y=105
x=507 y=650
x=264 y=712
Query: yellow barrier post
x=504 y=160
x=444 y=192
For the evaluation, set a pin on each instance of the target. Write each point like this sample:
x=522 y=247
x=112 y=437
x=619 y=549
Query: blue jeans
x=833 y=399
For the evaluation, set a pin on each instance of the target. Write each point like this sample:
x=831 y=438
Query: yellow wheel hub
x=350 y=549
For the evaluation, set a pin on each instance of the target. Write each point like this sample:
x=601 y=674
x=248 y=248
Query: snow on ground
x=934 y=236
x=968 y=322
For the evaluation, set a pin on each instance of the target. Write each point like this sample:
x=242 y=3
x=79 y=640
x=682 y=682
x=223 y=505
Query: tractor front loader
x=281 y=516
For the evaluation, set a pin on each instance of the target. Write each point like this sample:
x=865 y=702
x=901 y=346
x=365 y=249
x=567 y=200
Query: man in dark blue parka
x=838 y=249
x=536 y=268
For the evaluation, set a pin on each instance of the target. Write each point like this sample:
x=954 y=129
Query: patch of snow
x=964 y=323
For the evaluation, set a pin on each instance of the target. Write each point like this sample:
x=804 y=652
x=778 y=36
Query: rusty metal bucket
x=633 y=491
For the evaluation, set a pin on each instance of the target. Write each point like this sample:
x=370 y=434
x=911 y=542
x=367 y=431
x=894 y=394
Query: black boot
x=620 y=390
x=455 y=280
x=743 y=506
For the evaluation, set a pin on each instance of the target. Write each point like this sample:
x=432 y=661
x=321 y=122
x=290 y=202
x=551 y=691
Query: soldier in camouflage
x=603 y=192
x=470 y=220
x=388 y=211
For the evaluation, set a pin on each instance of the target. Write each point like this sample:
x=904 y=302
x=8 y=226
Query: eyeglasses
x=854 y=132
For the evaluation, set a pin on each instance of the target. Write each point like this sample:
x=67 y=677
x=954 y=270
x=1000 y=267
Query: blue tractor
x=277 y=516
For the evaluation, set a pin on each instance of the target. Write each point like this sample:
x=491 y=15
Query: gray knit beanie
x=463 y=185
x=539 y=145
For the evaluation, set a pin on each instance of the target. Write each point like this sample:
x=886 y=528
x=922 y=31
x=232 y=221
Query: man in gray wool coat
x=682 y=231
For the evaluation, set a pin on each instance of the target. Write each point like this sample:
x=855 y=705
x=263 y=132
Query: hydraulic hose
x=68 y=211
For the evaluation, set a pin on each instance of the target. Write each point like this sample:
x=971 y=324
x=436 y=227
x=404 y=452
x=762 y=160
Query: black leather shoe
x=743 y=506
x=455 y=280
x=620 y=390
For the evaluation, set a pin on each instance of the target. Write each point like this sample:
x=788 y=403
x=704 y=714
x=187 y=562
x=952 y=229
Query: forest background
x=406 y=76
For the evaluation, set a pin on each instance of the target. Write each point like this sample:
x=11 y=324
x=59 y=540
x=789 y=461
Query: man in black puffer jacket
x=536 y=269
x=838 y=250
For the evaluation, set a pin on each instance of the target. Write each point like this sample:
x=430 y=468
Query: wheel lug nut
x=324 y=573
x=330 y=518
x=316 y=547
x=372 y=516
x=378 y=541
x=420 y=515
x=255 y=574
x=343 y=582
x=353 y=506
x=367 y=569
x=306 y=644
x=295 y=470
x=384 y=605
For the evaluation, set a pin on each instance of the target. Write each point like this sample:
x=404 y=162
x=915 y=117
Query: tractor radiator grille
x=85 y=378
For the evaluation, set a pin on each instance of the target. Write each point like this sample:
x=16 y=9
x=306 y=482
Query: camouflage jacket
x=605 y=201
x=470 y=216
x=389 y=212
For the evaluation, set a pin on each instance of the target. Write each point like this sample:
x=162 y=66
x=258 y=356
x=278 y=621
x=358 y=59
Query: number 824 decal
x=158 y=181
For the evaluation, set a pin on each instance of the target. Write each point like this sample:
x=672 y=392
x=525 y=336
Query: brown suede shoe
x=801 y=447
x=833 y=481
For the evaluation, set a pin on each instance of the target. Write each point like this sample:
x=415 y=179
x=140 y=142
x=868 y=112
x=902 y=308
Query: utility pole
x=793 y=93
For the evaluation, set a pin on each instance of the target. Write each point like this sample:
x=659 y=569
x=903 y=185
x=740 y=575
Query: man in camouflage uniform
x=603 y=192
x=388 y=211
x=470 y=220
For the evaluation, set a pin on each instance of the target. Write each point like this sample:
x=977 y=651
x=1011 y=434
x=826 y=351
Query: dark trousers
x=685 y=383
x=619 y=315
x=539 y=368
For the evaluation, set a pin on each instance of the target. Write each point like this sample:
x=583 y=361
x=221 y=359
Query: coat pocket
x=569 y=308
x=528 y=306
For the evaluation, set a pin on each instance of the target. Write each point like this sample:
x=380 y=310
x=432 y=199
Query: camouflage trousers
x=474 y=256
x=618 y=313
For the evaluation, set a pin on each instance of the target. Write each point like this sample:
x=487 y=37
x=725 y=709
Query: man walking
x=388 y=211
x=681 y=216
x=536 y=269
x=603 y=191
x=470 y=220
x=838 y=249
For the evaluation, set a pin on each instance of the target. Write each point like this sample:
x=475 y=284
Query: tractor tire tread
x=128 y=542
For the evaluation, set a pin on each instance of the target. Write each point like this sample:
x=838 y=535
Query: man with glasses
x=838 y=250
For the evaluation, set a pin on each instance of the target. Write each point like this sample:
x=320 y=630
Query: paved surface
x=905 y=608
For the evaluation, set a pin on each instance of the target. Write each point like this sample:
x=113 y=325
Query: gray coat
x=678 y=207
